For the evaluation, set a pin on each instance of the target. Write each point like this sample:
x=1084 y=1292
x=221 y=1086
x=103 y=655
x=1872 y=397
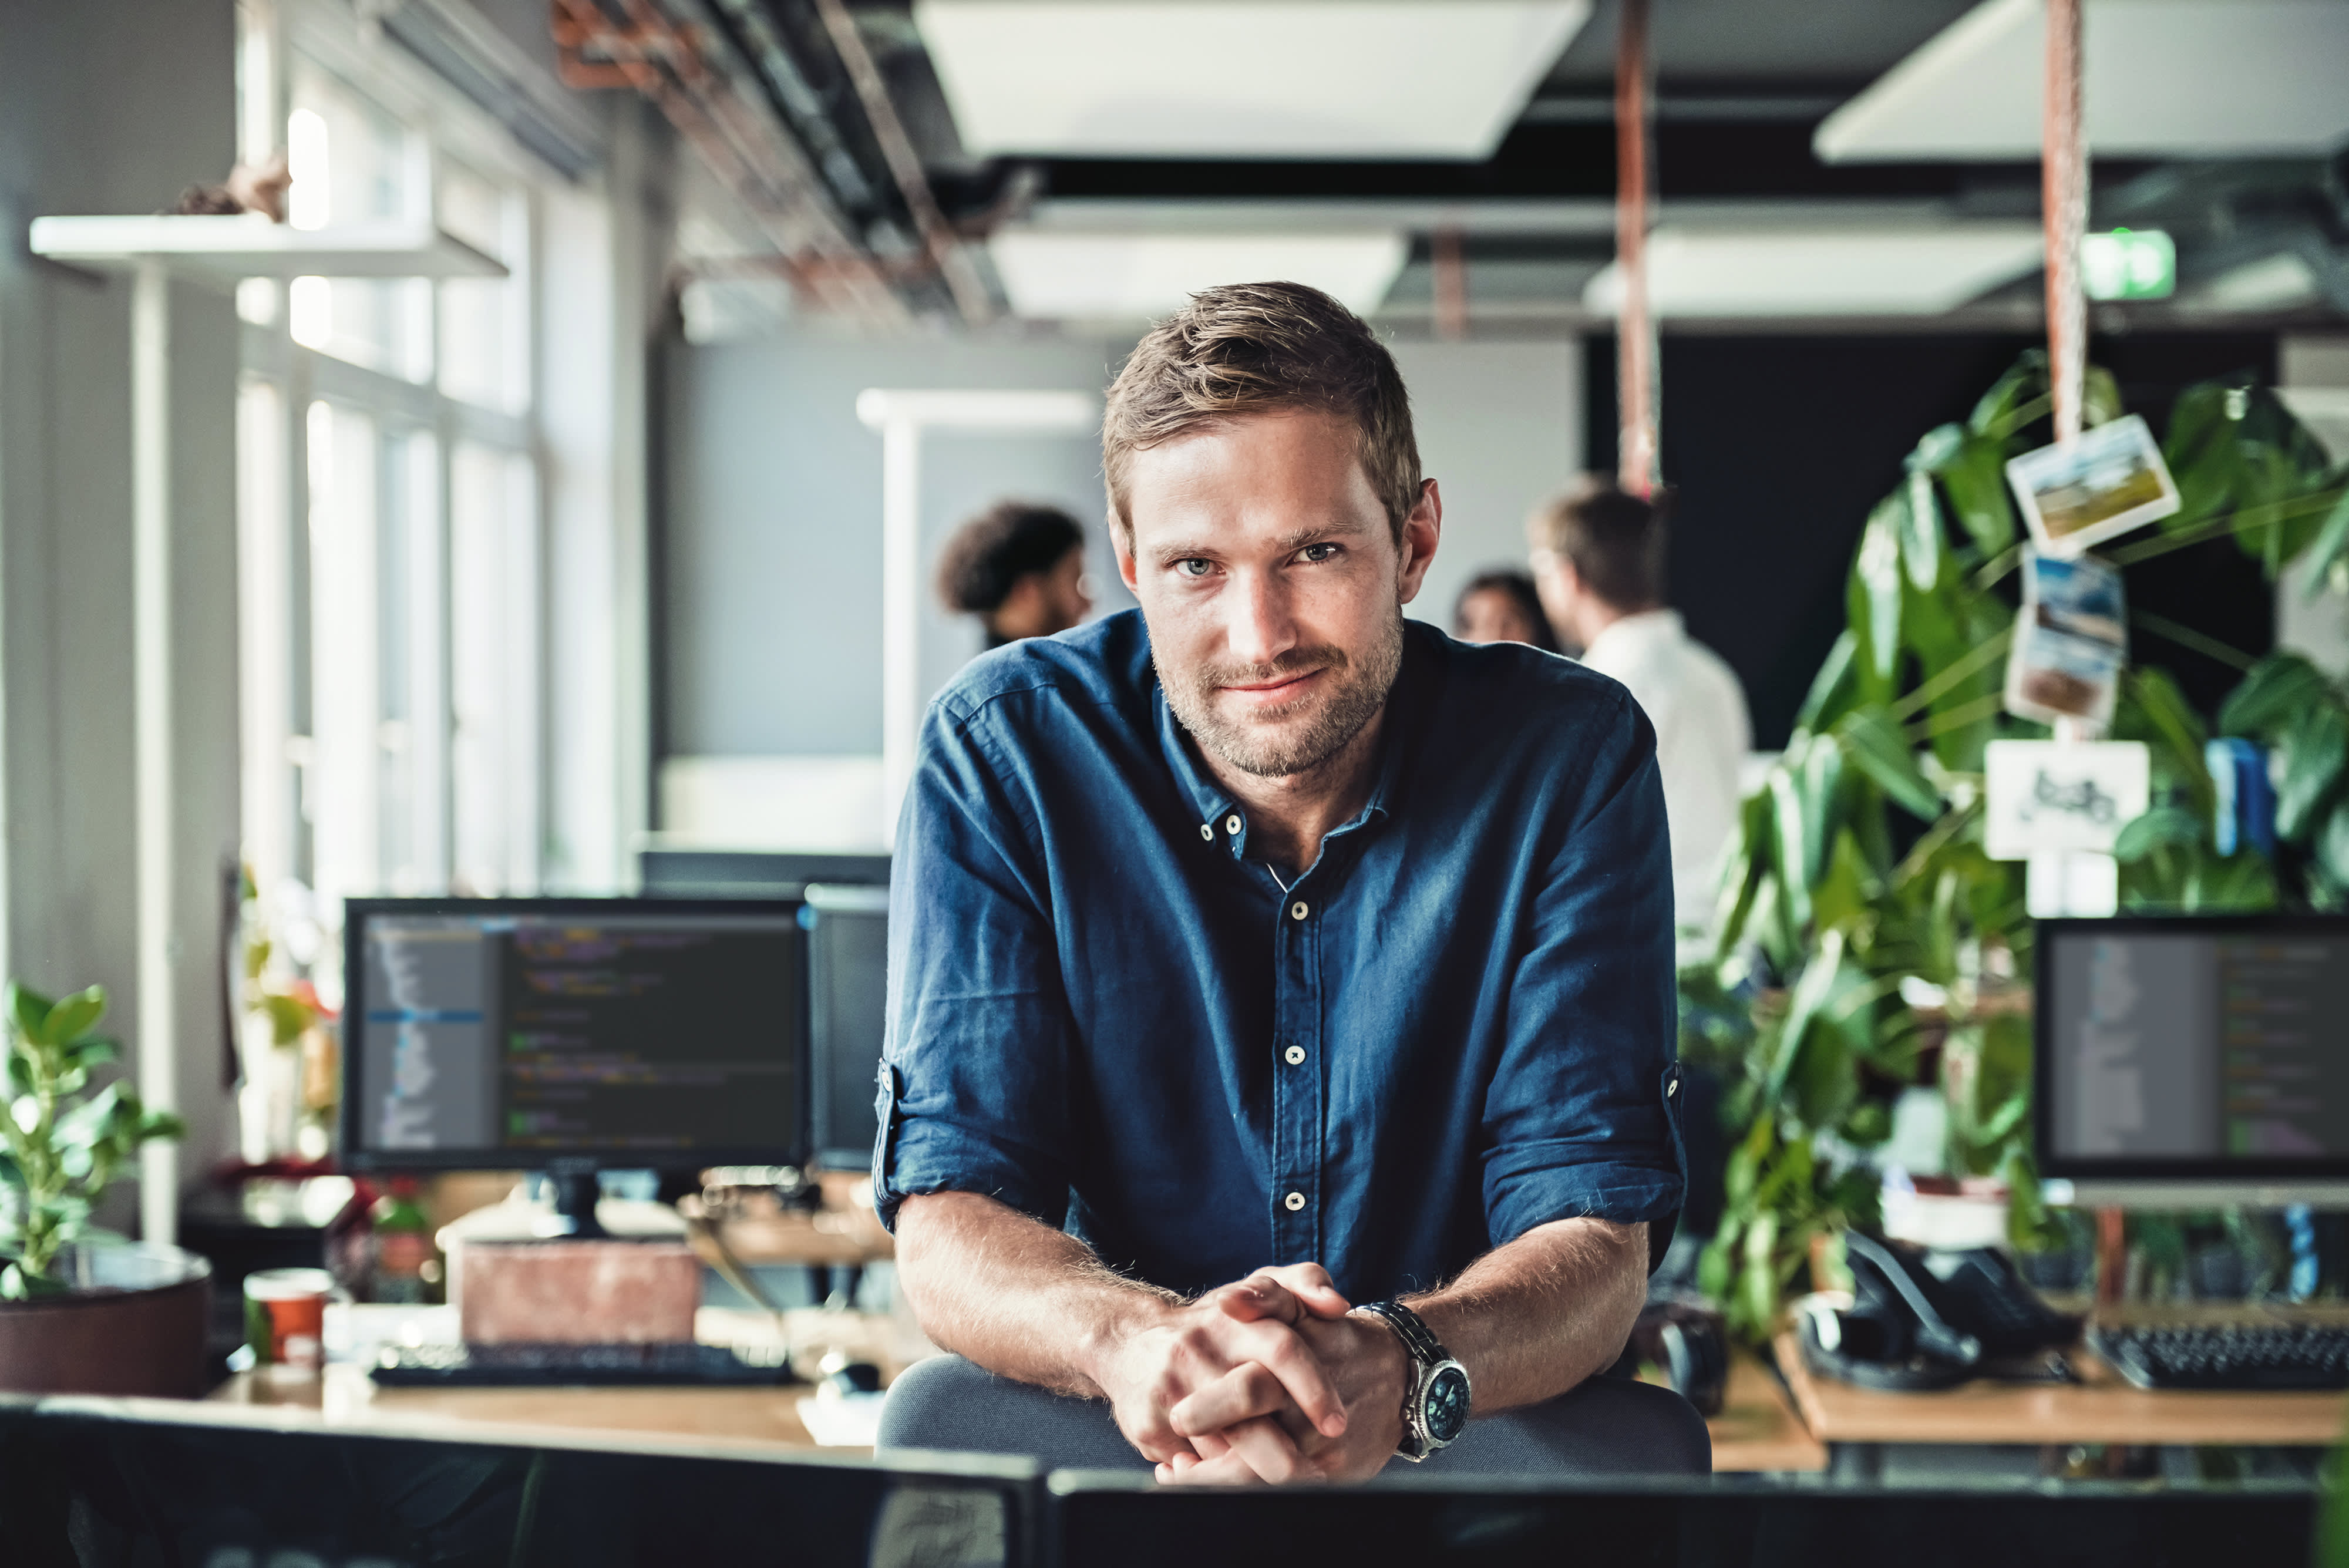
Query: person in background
x=1599 y=563
x=1020 y=567
x=1502 y=607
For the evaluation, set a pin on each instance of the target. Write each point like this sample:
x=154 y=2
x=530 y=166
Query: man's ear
x=1420 y=532
x=1121 y=542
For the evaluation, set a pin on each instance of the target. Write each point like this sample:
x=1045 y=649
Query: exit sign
x=2128 y=263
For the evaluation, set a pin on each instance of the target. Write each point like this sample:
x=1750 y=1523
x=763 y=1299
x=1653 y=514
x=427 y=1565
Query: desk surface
x=1757 y=1430
x=343 y=1396
x=2100 y=1408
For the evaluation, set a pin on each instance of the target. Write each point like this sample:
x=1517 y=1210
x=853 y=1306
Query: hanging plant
x=1866 y=941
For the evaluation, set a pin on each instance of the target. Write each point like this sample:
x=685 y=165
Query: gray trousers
x=1607 y=1426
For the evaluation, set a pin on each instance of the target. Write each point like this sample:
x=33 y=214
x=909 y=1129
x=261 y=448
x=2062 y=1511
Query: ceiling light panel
x=1823 y=272
x=2161 y=79
x=1058 y=275
x=1242 y=79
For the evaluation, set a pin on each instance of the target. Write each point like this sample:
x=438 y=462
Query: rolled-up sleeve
x=973 y=1092
x=1581 y=1117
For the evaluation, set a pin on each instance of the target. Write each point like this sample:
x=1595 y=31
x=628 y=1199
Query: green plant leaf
x=2163 y=827
x=2151 y=709
x=2271 y=694
x=2330 y=546
x=2333 y=846
x=29 y=1009
x=1875 y=604
x=289 y=1017
x=1835 y=688
x=1974 y=479
x=1877 y=747
x=2025 y=380
x=1917 y=518
x=2312 y=753
x=2199 y=448
x=75 y=1016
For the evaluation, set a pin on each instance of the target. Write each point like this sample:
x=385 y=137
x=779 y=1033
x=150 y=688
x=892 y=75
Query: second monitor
x=2209 y=1051
x=567 y=1033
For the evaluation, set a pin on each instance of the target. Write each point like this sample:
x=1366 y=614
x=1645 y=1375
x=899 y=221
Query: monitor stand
x=577 y=1191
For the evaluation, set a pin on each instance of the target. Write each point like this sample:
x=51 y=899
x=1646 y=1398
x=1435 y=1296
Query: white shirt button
x=1294 y=1055
x=1295 y=1201
x=1207 y=831
x=1232 y=823
x=1297 y=910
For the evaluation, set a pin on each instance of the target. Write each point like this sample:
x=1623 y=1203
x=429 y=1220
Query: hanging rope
x=1635 y=334
x=2064 y=204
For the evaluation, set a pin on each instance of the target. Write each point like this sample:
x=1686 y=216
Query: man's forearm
x=1532 y=1319
x=1016 y=1296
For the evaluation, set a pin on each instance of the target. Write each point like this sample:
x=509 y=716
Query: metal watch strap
x=1416 y=1339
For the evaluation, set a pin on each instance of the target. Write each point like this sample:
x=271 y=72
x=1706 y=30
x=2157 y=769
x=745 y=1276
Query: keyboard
x=554 y=1365
x=2227 y=1355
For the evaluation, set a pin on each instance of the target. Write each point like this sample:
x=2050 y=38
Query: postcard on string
x=2076 y=492
x=2071 y=640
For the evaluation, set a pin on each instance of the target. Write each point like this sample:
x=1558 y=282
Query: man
x=1019 y=567
x=1264 y=957
x=1598 y=561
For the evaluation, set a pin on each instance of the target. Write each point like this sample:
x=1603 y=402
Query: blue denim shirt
x=1456 y=1025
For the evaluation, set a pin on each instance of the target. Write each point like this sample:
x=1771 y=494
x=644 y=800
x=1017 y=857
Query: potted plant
x=1868 y=943
x=81 y=1312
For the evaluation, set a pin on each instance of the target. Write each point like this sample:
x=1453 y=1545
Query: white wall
x=770 y=550
x=1500 y=430
x=113 y=109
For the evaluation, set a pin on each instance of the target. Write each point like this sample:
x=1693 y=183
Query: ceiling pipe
x=652 y=54
x=946 y=250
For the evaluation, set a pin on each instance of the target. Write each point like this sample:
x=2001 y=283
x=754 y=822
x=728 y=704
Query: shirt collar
x=1641 y=628
x=1218 y=817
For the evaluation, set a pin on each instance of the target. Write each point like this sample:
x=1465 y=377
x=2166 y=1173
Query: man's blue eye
x=1319 y=551
x=1197 y=566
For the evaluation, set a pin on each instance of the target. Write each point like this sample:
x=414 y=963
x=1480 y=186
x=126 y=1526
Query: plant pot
x=132 y=1322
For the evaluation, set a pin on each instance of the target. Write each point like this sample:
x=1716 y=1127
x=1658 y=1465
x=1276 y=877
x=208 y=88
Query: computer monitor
x=751 y=873
x=87 y=1481
x=2183 y=1061
x=1452 y=1517
x=564 y=1034
x=848 y=953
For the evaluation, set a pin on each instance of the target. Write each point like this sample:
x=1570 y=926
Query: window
x=390 y=495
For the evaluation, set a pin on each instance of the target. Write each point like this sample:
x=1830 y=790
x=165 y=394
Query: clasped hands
x=1269 y=1379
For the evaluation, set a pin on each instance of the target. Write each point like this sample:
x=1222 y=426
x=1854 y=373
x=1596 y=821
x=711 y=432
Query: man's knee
x=1606 y=1426
x=946 y=1402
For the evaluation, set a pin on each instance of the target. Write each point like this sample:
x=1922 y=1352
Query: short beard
x=1353 y=701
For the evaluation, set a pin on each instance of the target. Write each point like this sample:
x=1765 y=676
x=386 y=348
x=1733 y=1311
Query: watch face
x=1445 y=1409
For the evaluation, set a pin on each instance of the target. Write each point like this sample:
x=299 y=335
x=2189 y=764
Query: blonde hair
x=1259 y=348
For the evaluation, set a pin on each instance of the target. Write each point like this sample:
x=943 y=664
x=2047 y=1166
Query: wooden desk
x=1758 y=1429
x=2100 y=1408
x=343 y=1396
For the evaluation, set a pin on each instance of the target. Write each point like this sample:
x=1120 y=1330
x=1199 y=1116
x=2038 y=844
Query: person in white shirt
x=1599 y=563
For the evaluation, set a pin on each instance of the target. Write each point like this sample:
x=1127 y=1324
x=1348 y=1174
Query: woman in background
x=1502 y=607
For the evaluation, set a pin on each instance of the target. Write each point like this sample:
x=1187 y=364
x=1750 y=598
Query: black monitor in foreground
x=2185 y=1061
x=563 y=1034
x=1714 y=1522
x=93 y=1481
x=848 y=953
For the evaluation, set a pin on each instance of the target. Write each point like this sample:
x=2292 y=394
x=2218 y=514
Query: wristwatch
x=1435 y=1402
